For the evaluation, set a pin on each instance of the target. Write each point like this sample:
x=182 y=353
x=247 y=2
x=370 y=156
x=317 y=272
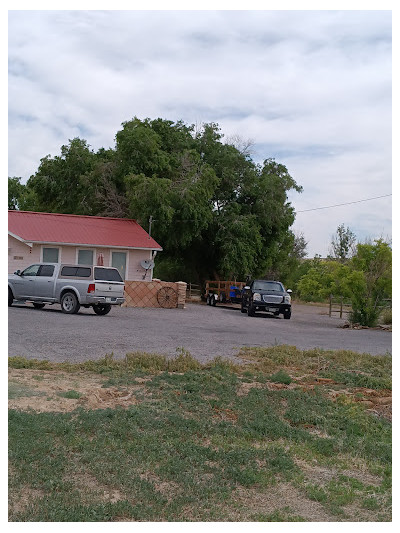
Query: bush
x=364 y=312
x=386 y=316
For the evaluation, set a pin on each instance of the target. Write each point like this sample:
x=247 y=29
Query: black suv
x=267 y=296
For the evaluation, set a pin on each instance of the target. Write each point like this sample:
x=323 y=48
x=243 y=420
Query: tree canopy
x=343 y=244
x=215 y=212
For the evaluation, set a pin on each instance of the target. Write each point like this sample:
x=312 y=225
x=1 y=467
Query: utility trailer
x=224 y=292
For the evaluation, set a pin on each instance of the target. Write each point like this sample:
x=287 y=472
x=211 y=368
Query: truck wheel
x=250 y=311
x=69 y=303
x=213 y=301
x=242 y=309
x=287 y=315
x=102 y=309
x=10 y=297
x=38 y=306
x=208 y=299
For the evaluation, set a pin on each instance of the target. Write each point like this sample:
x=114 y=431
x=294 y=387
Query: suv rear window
x=107 y=274
x=75 y=271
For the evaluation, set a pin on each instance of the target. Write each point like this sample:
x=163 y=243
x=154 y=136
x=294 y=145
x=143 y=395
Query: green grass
x=195 y=447
x=70 y=394
x=17 y=390
x=281 y=377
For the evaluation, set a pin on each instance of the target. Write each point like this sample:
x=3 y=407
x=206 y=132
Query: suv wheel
x=250 y=310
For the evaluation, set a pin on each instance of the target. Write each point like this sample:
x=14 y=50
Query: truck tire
x=38 y=306
x=69 y=303
x=102 y=309
x=287 y=315
x=242 y=309
x=10 y=297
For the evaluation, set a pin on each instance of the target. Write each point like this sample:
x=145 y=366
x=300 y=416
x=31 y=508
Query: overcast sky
x=311 y=89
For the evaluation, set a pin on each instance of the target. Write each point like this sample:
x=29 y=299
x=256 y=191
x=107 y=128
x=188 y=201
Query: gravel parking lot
x=202 y=330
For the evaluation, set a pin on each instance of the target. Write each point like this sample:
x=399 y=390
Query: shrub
x=281 y=377
x=386 y=316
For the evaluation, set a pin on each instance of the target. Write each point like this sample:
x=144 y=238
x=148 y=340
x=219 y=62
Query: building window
x=85 y=257
x=118 y=260
x=50 y=255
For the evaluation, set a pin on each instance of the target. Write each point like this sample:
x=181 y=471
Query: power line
x=347 y=203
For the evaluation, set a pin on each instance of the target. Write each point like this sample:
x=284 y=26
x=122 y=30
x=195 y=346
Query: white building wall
x=20 y=256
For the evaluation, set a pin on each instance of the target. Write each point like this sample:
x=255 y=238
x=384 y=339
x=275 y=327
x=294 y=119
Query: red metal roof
x=77 y=229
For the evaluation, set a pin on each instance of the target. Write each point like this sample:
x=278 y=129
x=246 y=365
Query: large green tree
x=215 y=212
x=58 y=182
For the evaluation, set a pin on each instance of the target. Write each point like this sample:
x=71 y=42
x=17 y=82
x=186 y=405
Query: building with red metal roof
x=60 y=238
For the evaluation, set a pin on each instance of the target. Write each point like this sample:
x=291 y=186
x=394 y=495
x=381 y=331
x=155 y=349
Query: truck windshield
x=107 y=274
x=267 y=286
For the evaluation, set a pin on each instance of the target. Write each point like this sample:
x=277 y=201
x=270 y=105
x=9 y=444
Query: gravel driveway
x=202 y=330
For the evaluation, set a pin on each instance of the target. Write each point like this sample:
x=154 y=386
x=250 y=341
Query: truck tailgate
x=109 y=289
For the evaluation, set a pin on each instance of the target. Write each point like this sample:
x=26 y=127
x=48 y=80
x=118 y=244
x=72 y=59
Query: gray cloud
x=311 y=88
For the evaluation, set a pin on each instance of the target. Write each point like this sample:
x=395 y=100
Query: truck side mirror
x=289 y=291
x=17 y=272
x=246 y=288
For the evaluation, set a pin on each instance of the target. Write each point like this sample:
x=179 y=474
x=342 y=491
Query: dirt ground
x=43 y=391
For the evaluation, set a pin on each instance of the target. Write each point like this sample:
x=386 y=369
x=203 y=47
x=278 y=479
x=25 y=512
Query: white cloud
x=312 y=88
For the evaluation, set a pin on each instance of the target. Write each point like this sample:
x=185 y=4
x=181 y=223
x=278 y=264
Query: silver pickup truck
x=71 y=286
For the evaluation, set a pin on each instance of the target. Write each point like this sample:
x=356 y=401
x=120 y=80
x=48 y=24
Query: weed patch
x=281 y=377
x=71 y=394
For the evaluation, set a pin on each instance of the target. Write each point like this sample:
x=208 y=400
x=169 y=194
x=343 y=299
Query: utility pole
x=150 y=221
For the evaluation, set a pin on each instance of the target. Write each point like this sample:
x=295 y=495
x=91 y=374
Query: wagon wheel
x=167 y=297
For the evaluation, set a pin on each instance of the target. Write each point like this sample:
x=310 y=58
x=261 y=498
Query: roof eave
x=30 y=243
x=88 y=245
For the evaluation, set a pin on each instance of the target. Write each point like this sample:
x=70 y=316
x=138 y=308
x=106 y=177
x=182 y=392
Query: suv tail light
x=91 y=288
